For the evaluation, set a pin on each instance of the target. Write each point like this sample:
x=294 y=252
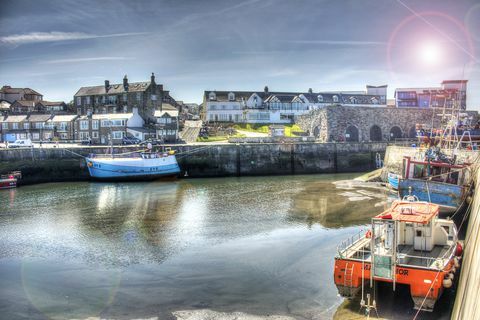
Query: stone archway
x=351 y=134
x=395 y=133
x=375 y=133
x=412 y=133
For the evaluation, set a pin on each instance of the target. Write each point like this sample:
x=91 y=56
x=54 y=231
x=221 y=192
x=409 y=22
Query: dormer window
x=335 y=98
x=320 y=98
x=212 y=96
x=231 y=96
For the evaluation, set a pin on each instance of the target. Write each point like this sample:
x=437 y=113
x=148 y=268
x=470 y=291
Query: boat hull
x=423 y=282
x=8 y=183
x=126 y=169
x=448 y=196
x=393 y=180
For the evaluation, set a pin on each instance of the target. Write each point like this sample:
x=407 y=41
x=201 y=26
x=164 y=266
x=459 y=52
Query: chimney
x=152 y=78
x=107 y=85
x=265 y=89
x=125 y=83
x=310 y=90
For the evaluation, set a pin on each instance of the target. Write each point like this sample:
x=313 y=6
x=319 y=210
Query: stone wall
x=212 y=160
x=332 y=122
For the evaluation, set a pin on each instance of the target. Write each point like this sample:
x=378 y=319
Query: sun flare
x=430 y=54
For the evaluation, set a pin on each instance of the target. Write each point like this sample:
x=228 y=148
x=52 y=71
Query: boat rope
x=77 y=154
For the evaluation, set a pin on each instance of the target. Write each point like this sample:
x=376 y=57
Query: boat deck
x=421 y=258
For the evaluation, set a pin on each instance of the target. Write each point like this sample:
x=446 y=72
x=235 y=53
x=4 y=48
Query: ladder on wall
x=348 y=275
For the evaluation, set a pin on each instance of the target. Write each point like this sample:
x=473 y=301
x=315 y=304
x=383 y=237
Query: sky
x=56 y=47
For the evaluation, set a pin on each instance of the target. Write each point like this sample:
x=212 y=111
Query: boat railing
x=346 y=245
x=430 y=262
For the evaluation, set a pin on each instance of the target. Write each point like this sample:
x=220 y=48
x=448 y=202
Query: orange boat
x=407 y=244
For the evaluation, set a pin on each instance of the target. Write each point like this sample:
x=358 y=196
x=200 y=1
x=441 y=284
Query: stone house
x=61 y=127
x=54 y=107
x=23 y=106
x=11 y=94
x=166 y=125
x=146 y=96
x=35 y=128
x=100 y=128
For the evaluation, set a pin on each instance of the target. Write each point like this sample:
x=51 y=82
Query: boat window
x=418 y=171
x=418 y=233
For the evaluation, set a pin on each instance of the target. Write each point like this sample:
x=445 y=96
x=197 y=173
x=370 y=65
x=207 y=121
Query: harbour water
x=258 y=245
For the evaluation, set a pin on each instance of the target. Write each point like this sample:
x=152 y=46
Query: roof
x=63 y=118
x=4 y=105
x=8 y=89
x=51 y=103
x=418 y=212
x=26 y=103
x=168 y=106
x=113 y=89
x=11 y=119
x=454 y=81
x=141 y=129
x=171 y=113
x=39 y=117
x=110 y=116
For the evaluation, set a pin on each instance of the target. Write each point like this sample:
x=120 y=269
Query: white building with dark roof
x=281 y=107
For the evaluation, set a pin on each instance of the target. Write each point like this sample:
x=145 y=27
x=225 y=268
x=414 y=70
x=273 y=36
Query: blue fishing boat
x=393 y=180
x=135 y=166
x=438 y=182
x=448 y=196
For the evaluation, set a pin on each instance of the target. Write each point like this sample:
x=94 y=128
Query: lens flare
x=430 y=54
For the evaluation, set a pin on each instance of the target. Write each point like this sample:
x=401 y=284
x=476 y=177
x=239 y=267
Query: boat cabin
x=435 y=171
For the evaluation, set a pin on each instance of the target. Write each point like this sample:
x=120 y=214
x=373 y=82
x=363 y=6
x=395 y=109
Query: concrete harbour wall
x=212 y=160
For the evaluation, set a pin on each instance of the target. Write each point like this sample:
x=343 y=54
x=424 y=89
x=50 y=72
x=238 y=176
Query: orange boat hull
x=424 y=284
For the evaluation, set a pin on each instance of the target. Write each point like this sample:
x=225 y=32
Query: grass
x=219 y=138
x=289 y=128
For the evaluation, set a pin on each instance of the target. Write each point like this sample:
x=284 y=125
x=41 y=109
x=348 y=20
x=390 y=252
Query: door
x=384 y=246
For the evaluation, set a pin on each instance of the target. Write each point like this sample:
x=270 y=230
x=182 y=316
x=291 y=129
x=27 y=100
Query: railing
x=346 y=244
x=430 y=260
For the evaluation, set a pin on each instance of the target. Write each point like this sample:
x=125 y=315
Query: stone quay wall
x=370 y=123
x=212 y=160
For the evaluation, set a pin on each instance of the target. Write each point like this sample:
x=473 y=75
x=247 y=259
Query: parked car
x=22 y=143
x=130 y=140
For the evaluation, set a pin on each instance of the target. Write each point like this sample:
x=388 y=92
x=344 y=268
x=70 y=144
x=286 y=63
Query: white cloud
x=54 y=36
x=90 y=59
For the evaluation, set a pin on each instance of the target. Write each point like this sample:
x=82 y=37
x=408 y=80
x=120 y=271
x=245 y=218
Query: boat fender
x=451 y=276
x=368 y=234
x=171 y=152
x=456 y=262
x=89 y=164
x=447 y=283
x=453 y=270
x=458 y=250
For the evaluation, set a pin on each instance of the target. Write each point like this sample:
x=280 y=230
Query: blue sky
x=56 y=47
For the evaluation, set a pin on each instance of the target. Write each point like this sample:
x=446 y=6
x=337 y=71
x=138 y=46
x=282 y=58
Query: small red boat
x=8 y=181
x=407 y=244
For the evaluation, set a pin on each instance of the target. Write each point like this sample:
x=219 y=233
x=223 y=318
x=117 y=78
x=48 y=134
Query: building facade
x=167 y=123
x=450 y=92
x=281 y=107
x=11 y=94
x=121 y=98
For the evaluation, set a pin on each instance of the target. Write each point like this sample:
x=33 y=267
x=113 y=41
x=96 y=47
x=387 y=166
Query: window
x=95 y=134
x=5 y=126
x=117 y=134
x=139 y=96
x=124 y=97
x=231 y=96
x=87 y=100
x=84 y=125
x=112 y=99
x=213 y=107
x=14 y=125
x=105 y=123
x=79 y=101
x=168 y=120
x=212 y=96
x=38 y=125
x=335 y=98
x=63 y=126
x=26 y=125
x=35 y=136
x=97 y=100
x=103 y=99
x=95 y=124
x=84 y=136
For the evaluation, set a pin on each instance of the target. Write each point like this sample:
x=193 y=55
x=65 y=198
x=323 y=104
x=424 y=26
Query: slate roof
x=171 y=113
x=63 y=118
x=39 y=117
x=25 y=103
x=51 y=103
x=113 y=89
x=4 y=105
x=11 y=119
x=8 y=89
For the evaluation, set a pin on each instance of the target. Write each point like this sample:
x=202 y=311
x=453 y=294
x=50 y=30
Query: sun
x=430 y=54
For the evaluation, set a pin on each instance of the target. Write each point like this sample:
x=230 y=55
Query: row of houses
x=285 y=107
x=93 y=128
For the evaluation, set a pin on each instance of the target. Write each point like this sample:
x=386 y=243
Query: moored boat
x=9 y=181
x=135 y=166
x=408 y=244
x=439 y=182
x=393 y=179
